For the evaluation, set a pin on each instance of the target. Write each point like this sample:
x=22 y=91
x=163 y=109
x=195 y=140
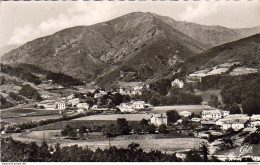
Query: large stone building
x=159 y=119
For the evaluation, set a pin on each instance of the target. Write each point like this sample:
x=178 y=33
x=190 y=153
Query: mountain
x=8 y=48
x=210 y=35
x=100 y=49
x=246 y=51
x=133 y=47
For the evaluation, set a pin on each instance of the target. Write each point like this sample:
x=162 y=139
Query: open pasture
x=128 y=117
x=192 y=108
x=96 y=140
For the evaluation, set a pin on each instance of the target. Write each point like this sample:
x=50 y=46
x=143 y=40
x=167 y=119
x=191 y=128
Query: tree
x=123 y=126
x=155 y=101
x=214 y=101
x=66 y=130
x=151 y=128
x=30 y=92
x=193 y=156
x=234 y=109
x=163 y=129
x=205 y=152
x=173 y=116
x=230 y=130
x=72 y=134
x=253 y=138
x=44 y=153
x=251 y=106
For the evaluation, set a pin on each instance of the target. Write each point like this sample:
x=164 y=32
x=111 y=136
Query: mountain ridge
x=147 y=43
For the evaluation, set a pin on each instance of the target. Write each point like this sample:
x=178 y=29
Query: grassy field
x=77 y=123
x=192 y=108
x=128 y=117
x=241 y=71
x=206 y=94
x=170 y=142
x=26 y=115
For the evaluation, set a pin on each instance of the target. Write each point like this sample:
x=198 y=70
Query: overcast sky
x=21 y=22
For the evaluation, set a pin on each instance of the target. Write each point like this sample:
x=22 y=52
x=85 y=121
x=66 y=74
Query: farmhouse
x=159 y=119
x=255 y=117
x=180 y=155
x=219 y=122
x=208 y=123
x=235 y=124
x=138 y=104
x=253 y=124
x=73 y=102
x=185 y=113
x=126 y=107
x=99 y=108
x=131 y=88
x=239 y=116
x=83 y=106
x=195 y=119
x=61 y=105
x=211 y=114
x=70 y=97
x=177 y=83
x=100 y=94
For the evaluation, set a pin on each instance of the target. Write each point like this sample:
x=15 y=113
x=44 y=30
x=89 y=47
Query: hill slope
x=87 y=52
x=245 y=51
x=145 y=44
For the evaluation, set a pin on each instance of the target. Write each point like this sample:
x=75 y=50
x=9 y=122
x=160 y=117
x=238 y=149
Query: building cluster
x=131 y=88
x=223 y=120
x=134 y=106
x=63 y=103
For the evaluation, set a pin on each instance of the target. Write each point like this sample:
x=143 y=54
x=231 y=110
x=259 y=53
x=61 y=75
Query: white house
x=225 y=113
x=219 y=122
x=180 y=155
x=70 y=97
x=185 y=113
x=99 y=108
x=61 y=105
x=255 y=117
x=131 y=88
x=159 y=119
x=177 y=83
x=239 y=116
x=100 y=94
x=235 y=124
x=73 y=102
x=126 y=107
x=138 y=104
x=195 y=119
x=179 y=121
x=46 y=96
x=253 y=124
x=211 y=114
x=82 y=106
x=80 y=111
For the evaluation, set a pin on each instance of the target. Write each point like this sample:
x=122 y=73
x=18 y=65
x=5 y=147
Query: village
x=211 y=125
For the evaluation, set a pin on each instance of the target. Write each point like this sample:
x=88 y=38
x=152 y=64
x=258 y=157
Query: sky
x=21 y=22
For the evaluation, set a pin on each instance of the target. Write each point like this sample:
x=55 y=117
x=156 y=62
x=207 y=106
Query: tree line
x=20 y=73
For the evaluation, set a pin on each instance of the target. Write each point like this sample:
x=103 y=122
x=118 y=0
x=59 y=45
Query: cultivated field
x=241 y=71
x=129 y=117
x=27 y=115
x=192 y=108
x=96 y=140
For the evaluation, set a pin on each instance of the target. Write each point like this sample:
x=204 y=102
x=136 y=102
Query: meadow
x=167 y=143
